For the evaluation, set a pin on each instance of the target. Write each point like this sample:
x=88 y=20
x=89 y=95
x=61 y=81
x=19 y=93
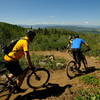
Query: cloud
x=86 y=22
x=51 y=16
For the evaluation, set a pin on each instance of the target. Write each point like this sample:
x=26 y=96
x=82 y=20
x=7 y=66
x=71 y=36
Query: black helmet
x=76 y=36
x=30 y=34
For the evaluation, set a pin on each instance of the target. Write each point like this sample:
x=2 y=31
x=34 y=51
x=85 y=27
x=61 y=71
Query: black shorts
x=14 y=68
x=77 y=54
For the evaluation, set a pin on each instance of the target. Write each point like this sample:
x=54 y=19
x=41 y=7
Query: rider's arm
x=28 y=59
x=69 y=44
x=87 y=45
x=70 y=41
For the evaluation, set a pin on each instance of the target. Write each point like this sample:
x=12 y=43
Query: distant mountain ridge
x=77 y=28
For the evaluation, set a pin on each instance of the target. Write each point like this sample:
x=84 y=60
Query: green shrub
x=88 y=94
x=90 y=79
x=91 y=97
x=41 y=60
x=79 y=98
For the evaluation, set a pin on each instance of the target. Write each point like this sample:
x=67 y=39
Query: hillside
x=9 y=32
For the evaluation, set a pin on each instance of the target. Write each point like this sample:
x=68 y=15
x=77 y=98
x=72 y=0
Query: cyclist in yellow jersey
x=20 y=49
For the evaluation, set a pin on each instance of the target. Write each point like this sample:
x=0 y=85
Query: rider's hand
x=88 y=49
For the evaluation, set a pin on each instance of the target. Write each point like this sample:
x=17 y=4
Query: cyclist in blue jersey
x=76 y=50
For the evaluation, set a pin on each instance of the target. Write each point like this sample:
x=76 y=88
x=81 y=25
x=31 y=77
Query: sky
x=67 y=12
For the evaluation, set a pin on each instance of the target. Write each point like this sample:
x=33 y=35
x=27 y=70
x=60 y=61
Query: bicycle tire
x=35 y=83
x=71 y=69
x=3 y=87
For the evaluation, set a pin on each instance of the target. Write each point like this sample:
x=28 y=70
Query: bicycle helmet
x=76 y=36
x=30 y=34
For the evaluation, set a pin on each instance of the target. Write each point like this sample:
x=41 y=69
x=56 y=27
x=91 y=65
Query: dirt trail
x=61 y=87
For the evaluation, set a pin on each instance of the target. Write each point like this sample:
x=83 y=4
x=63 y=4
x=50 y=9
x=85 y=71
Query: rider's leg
x=20 y=79
x=14 y=68
x=75 y=57
x=8 y=66
x=79 y=65
x=79 y=55
x=10 y=76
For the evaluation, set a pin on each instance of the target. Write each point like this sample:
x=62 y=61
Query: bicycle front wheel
x=39 y=78
x=71 y=69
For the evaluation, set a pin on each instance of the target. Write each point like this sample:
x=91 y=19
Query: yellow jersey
x=18 y=50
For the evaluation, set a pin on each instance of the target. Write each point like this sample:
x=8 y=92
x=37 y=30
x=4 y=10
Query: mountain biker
x=20 y=49
x=76 y=50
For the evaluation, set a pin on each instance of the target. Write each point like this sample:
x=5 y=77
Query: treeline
x=49 y=38
x=57 y=39
x=9 y=32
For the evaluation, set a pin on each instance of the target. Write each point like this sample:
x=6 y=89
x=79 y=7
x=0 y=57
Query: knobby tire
x=42 y=81
x=70 y=69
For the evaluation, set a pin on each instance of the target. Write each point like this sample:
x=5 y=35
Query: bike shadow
x=50 y=90
x=89 y=70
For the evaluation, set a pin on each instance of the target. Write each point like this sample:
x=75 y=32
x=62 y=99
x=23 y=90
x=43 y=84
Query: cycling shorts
x=14 y=68
x=77 y=54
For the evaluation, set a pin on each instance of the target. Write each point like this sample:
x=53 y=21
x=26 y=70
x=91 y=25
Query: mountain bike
x=72 y=66
x=36 y=78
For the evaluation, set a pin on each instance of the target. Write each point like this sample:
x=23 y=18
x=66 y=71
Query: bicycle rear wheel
x=71 y=69
x=39 y=78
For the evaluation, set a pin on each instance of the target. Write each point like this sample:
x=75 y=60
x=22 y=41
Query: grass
x=88 y=94
x=90 y=79
x=98 y=58
x=93 y=97
x=45 y=61
x=92 y=89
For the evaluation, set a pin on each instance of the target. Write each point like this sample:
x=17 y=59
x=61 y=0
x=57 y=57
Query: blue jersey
x=76 y=43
